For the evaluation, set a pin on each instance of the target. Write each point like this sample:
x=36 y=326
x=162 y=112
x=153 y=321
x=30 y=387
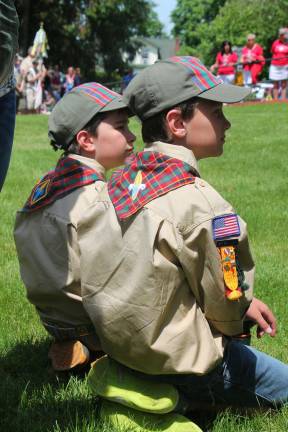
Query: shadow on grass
x=33 y=398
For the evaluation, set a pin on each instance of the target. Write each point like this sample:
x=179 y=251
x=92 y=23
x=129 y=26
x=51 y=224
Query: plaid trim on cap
x=98 y=93
x=68 y=175
x=150 y=175
x=77 y=108
x=202 y=78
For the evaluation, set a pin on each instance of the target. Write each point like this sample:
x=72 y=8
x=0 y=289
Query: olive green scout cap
x=77 y=108
x=177 y=79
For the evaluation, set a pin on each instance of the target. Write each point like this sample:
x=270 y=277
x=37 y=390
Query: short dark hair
x=226 y=42
x=155 y=128
x=90 y=127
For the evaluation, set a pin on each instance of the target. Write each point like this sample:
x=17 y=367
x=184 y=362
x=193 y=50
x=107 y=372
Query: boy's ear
x=85 y=141
x=175 y=123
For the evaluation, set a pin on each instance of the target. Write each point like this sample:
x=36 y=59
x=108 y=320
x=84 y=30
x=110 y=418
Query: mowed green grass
x=252 y=174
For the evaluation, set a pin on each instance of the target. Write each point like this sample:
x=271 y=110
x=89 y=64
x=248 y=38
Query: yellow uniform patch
x=228 y=262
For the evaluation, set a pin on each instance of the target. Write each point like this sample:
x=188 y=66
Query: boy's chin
x=211 y=154
x=128 y=159
x=220 y=151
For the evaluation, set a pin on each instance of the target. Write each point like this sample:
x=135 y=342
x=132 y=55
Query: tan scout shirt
x=49 y=256
x=158 y=300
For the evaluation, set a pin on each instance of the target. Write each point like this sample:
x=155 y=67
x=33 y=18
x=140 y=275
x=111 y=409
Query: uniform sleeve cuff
x=228 y=328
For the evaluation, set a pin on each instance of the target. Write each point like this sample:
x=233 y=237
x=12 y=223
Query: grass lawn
x=252 y=174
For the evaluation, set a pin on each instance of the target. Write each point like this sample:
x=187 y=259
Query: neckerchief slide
x=148 y=176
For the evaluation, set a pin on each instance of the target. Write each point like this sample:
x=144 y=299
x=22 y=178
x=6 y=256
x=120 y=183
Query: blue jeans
x=246 y=378
x=7 y=125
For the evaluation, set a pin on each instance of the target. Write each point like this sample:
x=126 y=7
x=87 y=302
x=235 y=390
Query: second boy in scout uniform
x=182 y=283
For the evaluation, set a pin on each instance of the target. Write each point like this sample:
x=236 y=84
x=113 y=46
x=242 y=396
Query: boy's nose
x=227 y=124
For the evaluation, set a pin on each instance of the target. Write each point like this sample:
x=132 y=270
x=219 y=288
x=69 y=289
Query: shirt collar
x=91 y=163
x=175 y=151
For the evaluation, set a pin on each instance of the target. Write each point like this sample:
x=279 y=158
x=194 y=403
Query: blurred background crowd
x=39 y=87
x=244 y=41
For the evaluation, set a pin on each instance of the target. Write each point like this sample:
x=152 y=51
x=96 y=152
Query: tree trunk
x=24 y=9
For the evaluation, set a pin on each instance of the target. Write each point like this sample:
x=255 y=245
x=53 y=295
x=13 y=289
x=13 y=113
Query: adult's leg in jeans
x=7 y=125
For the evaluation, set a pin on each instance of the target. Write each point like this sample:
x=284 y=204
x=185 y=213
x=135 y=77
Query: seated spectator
x=225 y=63
x=78 y=77
x=56 y=82
x=69 y=79
x=253 y=60
x=278 y=71
x=48 y=102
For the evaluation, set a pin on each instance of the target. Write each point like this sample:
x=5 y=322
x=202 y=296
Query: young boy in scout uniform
x=90 y=124
x=181 y=286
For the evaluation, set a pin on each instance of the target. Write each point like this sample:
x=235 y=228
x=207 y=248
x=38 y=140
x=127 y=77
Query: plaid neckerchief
x=149 y=175
x=69 y=174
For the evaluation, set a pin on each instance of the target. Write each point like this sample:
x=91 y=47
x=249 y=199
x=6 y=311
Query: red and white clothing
x=279 y=50
x=226 y=68
x=278 y=70
x=226 y=63
x=250 y=55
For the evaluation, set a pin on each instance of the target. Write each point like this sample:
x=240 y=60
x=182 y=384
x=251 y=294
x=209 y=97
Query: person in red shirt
x=253 y=60
x=278 y=71
x=225 y=63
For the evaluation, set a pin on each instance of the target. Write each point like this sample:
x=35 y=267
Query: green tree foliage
x=88 y=33
x=241 y=17
x=115 y=24
x=201 y=33
x=190 y=17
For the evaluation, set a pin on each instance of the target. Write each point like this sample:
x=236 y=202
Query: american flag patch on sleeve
x=225 y=226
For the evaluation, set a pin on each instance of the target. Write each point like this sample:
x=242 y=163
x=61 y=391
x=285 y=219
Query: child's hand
x=260 y=313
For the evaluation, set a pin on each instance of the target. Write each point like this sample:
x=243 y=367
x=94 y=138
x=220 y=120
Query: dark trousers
x=7 y=125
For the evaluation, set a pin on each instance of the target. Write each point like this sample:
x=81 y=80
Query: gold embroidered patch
x=228 y=261
x=40 y=191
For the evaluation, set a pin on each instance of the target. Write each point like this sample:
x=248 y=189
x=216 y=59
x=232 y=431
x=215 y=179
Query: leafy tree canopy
x=88 y=33
x=202 y=34
x=189 y=15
